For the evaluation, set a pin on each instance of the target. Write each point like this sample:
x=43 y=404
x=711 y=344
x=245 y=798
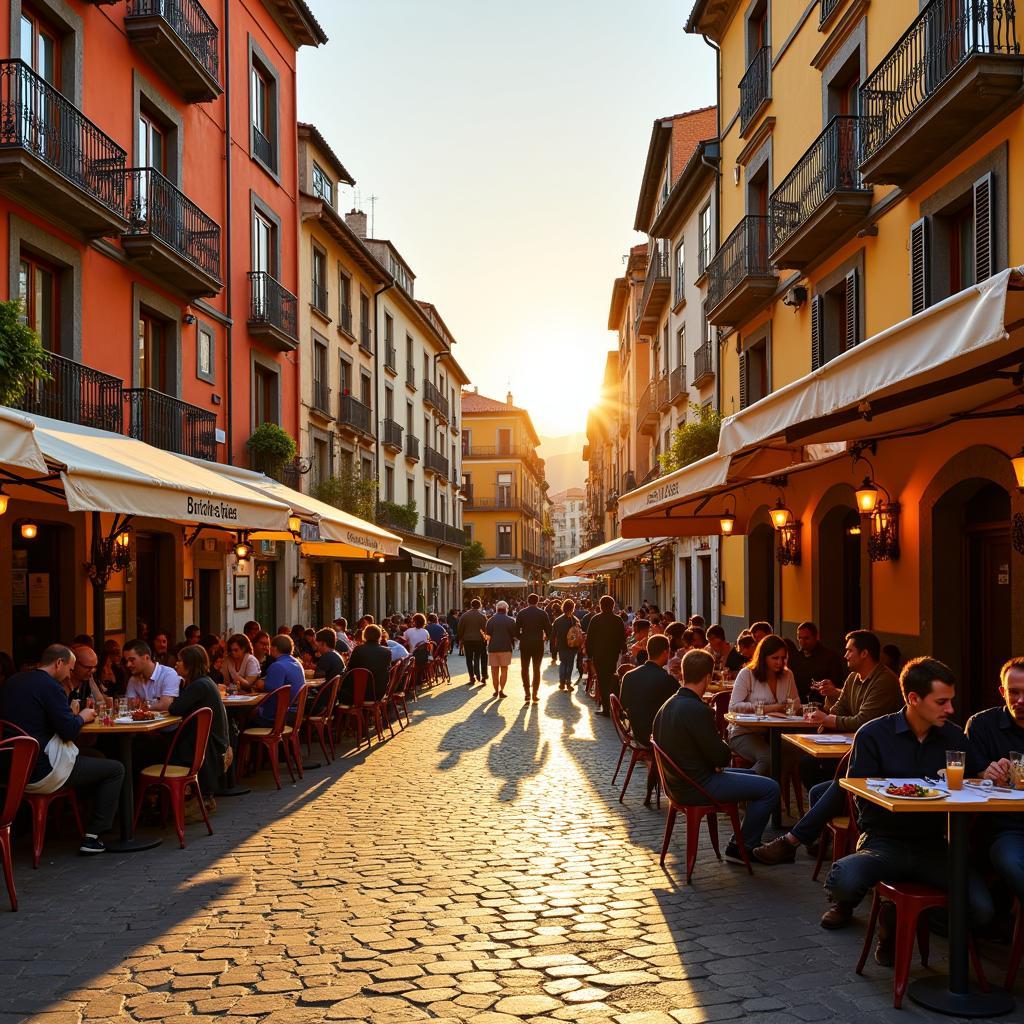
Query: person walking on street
x=606 y=640
x=568 y=637
x=472 y=623
x=501 y=637
x=534 y=627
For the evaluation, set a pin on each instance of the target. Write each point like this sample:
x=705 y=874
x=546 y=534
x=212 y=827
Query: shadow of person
x=561 y=706
x=520 y=754
x=481 y=728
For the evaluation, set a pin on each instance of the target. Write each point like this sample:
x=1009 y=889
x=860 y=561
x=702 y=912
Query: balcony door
x=151 y=151
x=40 y=47
x=38 y=293
x=40 y=110
x=152 y=353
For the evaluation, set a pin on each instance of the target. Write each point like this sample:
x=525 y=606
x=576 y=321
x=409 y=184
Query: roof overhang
x=711 y=17
x=620 y=294
x=314 y=134
x=697 y=177
x=297 y=22
x=650 y=183
x=314 y=208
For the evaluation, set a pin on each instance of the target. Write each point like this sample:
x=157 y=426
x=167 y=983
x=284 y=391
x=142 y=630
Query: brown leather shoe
x=885 y=948
x=838 y=915
x=778 y=851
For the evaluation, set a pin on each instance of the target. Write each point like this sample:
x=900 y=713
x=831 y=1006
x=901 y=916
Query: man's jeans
x=886 y=859
x=828 y=800
x=735 y=785
x=476 y=658
x=530 y=659
x=104 y=777
x=566 y=663
x=1006 y=851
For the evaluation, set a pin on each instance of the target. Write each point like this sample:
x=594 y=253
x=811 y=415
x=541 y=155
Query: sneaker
x=885 y=948
x=838 y=915
x=733 y=856
x=778 y=851
x=90 y=844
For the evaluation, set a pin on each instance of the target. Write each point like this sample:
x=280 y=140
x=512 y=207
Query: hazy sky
x=505 y=143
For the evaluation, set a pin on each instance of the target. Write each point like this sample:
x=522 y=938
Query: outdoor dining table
x=777 y=725
x=125 y=732
x=819 y=745
x=953 y=995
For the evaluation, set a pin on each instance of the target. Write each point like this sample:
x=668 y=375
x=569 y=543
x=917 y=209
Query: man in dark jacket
x=533 y=625
x=35 y=701
x=685 y=729
x=472 y=623
x=606 y=640
x=644 y=690
x=374 y=657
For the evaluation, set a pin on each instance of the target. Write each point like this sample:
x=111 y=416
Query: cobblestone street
x=478 y=868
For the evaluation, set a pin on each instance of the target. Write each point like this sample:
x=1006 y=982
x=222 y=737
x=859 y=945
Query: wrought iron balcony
x=345 y=320
x=433 y=528
x=170 y=236
x=740 y=277
x=432 y=396
x=664 y=400
x=75 y=394
x=262 y=148
x=167 y=422
x=825 y=10
x=956 y=70
x=501 y=503
x=435 y=462
x=454 y=536
x=353 y=415
x=703 y=365
x=412 y=448
x=272 y=311
x=755 y=86
x=181 y=40
x=54 y=159
x=390 y=359
x=392 y=437
x=822 y=198
x=657 y=288
x=647 y=410
x=677 y=390
x=532 y=557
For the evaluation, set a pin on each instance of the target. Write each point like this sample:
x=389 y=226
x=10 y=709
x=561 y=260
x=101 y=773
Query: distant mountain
x=563 y=461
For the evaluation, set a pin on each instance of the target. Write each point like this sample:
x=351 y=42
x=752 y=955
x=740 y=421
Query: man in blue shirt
x=994 y=734
x=909 y=744
x=284 y=670
x=36 y=702
x=436 y=630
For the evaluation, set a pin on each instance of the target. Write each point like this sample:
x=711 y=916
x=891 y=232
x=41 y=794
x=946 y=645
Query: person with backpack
x=567 y=636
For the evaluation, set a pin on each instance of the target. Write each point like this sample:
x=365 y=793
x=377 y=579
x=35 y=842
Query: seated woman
x=765 y=680
x=240 y=667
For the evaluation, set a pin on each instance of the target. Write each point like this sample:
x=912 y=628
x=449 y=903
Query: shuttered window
x=984 y=228
x=920 y=270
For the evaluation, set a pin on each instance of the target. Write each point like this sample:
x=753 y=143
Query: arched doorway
x=838 y=568
x=761 y=573
x=971 y=596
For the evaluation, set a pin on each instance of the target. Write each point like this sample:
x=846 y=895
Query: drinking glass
x=1016 y=780
x=790 y=706
x=759 y=709
x=122 y=708
x=809 y=708
x=955 y=762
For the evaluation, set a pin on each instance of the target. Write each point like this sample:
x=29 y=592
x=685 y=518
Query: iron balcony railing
x=321 y=395
x=410 y=375
x=432 y=396
x=826 y=9
x=391 y=358
x=354 y=413
x=75 y=394
x=532 y=557
x=433 y=528
x=365 y=337
x=647 y=406
x=345 y=319
x=703 y=363
x=412 y=447
x=652 y=474
x=943 y=37
x=743 y=254
x=501 y=503
x=189 y=22
x=157 y=207
x=167 y=422
x=36 y=117
x=657 y=270
x=501 y=451
x=677 y=383
x=272 y=304
x=392 y=434
x=755 y=85
x=829 y=165
x=455 y=536
x=262 y=147
x=663 y=391
x=435 y=461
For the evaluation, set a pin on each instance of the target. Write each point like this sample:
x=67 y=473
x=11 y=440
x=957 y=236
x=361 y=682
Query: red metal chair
x=843 y=829
x=320 y=718
x=293 y=732
x=173 y=779
x=269 y=739
x=720 y=706
x=695 y=813
x=404 y=672
x=911 y=901
x=444 y=648
x=39 y=804
x=1016 y=948
x=637 y=751
x=791 y=780
x=356 y=710
x=17 y=759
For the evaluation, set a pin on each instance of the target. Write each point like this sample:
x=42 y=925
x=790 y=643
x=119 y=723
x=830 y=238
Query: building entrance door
x=265 y=597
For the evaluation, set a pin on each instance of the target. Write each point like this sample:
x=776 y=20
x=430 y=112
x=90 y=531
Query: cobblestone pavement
x=477 y=868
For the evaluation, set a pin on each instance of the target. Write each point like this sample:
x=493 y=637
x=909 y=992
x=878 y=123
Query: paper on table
x=828 y=739
x=740 y=717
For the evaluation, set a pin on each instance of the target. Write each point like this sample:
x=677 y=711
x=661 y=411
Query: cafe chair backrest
x=720 y=705
x=280 y=695
x=326 y=698
x=843 y=766
x=17 y=759
x=360 y=680
x=300 y=703
x=8 y=729
x=202 y=720
x=619 y=719
x=665 y=762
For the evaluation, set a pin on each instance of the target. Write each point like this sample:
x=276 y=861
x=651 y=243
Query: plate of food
x=912 y=791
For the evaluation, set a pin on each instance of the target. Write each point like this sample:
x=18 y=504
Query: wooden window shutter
x=984 y=228
x=852 y=309
x=920 y=271
x=743 y=381
x=817 y=325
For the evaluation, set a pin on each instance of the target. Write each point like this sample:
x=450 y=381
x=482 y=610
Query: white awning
x=605 y=557
x=106 y=472
x=18 y=445
x=495 y=577
x=431 y=563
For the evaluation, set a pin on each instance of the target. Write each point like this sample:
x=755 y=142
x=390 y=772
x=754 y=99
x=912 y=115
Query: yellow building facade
x=503 y=486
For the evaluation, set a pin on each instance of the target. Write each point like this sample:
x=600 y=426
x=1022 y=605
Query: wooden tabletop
x=898 y=805
x=773 y=720
x=243 y=700
x=810 y=743
x=95 y=728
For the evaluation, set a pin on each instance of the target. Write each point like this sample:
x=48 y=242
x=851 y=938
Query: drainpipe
x=376 y=433
x=229 y=248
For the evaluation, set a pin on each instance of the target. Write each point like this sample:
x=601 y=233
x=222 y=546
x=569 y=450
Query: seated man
x=157 y=684
x=638 y=642
x=328 y=660
x=435 y=629
x=994 y=734
x=741 y=654
x=36 y=702
x=81 y=684
x=814 y=661
x=341 y=632
x=904 y=847
x=285 y=671
x=398 y=651
x=685 y=729
x=642 y=693
x=718 y=647
x=374 y=656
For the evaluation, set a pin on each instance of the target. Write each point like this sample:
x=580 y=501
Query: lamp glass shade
x=1018 y=468
x=728 y=523
x=780 y=515
x=867 y=497
x=294 y=524
x=242 y=551
x=29 y=531
x=4 y=498
x=123 y=539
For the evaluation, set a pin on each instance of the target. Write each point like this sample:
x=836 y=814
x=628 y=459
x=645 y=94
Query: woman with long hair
x=110 y=673
x=764 y=680
x=560 y=630
x=240 y=668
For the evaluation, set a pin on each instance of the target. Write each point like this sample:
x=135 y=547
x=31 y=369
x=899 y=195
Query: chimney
x=508 y=399
x=476 y=389
x=356 y=220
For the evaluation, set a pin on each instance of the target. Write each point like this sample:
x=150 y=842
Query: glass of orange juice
x=955 y=761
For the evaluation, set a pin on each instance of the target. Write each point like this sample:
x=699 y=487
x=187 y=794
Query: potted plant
x=22 y=356
x=272 y=448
